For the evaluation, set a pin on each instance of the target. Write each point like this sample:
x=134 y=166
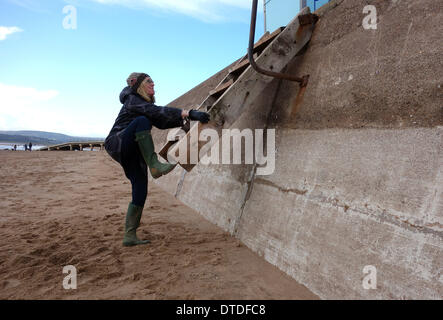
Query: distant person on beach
x=15 y=147
x=26 y=147
x=130 y=143
x=30 y=146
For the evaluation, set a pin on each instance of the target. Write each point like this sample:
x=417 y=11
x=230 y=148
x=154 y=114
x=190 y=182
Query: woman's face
x=148 y=86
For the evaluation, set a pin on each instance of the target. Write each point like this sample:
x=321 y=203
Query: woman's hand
x=185 y=114
x=203 y=117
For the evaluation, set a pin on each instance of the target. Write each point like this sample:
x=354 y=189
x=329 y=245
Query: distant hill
x=40 y=137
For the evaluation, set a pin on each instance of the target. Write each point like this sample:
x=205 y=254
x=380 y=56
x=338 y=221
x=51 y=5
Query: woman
x=130 y=143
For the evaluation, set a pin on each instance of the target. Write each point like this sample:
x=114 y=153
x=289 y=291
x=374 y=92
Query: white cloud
x=24 y=95
x=27 y=108
x=24 y=107
x=5 y=31
x=205 y=10
x=32 y=5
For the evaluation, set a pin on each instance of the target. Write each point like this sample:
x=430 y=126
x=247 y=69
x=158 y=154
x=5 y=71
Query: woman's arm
x=165 y=117
x=161 y=117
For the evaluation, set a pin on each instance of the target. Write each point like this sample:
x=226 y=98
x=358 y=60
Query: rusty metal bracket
x=303 y=20
x=306 y=19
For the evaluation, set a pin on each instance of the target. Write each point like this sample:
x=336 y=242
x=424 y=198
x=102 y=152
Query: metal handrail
x=278 y=75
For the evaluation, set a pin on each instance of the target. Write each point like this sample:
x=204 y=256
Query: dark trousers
x=133 y=162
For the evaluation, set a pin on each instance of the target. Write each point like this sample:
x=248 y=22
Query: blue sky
x=68 y=80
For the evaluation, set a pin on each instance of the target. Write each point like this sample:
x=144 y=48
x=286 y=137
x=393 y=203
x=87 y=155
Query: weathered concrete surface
x=358 y=177
x=385 y=78
x=343 y=199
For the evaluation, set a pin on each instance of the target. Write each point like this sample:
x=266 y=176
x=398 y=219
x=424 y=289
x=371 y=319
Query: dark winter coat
x=134 y=106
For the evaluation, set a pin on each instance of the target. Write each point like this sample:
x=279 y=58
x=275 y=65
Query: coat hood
x=125 y=93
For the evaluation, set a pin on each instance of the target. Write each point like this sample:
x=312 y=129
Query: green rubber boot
x=133 y=217
x=146 y=145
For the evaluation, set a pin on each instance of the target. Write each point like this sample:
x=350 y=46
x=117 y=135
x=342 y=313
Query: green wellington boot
x=133 y=217
x=146 y=146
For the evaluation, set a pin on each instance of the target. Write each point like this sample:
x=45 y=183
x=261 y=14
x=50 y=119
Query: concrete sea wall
x=359 y=155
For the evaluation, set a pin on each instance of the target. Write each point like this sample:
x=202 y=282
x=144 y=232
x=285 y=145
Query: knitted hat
x=135 y=79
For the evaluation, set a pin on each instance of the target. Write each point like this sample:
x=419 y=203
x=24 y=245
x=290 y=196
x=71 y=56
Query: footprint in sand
x=23 y=260
x=39 y=252
x=112 y=217
x=154 y=223
x=136 y=276
x=100 y=250
x=61 y=258
x=29 y=236
x=10 y=283
x=113 y=275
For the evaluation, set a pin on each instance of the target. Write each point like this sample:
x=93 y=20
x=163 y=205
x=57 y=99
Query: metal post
x=264 y=12
x=302 y=81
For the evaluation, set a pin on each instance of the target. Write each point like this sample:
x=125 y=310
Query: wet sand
x=68 y=208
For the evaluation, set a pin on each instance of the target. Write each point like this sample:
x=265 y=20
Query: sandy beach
x=68 y=208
